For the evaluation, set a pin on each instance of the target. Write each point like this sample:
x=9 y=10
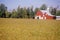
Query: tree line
x=24 y=12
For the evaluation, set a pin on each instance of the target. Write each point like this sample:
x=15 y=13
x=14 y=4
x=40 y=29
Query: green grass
x=29 y=29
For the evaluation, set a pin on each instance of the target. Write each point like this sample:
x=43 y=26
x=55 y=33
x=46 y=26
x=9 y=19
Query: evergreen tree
x=43 y=7
x=3 y=8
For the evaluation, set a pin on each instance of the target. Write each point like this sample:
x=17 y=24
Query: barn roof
x=47 y=12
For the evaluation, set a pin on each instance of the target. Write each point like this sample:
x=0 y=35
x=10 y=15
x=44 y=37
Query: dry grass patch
x=29 y=29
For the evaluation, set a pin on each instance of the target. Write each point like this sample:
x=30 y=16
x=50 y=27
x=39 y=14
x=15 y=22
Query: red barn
x=44 y=14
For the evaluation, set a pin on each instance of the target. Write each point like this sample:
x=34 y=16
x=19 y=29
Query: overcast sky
x=13 y=4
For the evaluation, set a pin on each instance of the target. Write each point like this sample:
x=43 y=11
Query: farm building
x=57 y=17
x=44 y=14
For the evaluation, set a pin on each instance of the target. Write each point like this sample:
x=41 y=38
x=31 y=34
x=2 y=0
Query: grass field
x=29 y=29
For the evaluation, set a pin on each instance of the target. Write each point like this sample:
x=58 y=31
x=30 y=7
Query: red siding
x=39 y=13
x=47 y=16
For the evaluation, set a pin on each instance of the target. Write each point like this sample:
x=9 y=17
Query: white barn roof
x=46 y=11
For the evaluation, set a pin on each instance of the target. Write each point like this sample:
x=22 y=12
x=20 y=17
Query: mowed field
x=29 y=29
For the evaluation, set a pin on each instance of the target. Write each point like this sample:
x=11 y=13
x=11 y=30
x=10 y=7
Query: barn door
x=37 y=17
